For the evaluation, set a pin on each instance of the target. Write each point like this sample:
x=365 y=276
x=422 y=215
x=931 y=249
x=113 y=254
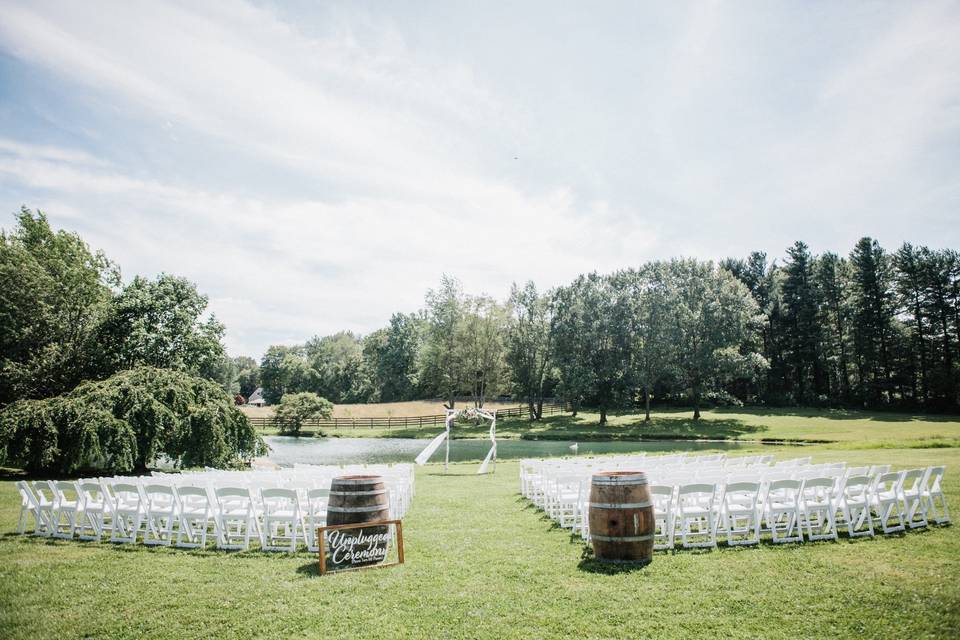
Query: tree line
x=873 y=329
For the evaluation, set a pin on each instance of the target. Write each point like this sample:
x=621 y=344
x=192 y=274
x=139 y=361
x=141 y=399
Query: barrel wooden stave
x=621 y=517
x=358 y=499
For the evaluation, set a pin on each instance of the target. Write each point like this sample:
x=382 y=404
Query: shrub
x=125 y=422
x=295 y=408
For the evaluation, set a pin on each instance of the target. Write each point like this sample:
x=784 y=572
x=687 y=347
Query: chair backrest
x=66 y=491
x=701 y=494
x=701 y=487
x=819 y=483
x=236 y=497
x=125 y=492
x=857 y=486
x=935 y=478
x=26 y=495
x=785 y=490
x=275 y=500
x=193 y=497
x=912 y=480
x=92 y=492
x=744 y=488
x=889 y=482
x=43 y=491
x=159 y=494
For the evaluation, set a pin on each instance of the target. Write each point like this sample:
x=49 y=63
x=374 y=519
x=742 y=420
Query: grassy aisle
x=483 y=564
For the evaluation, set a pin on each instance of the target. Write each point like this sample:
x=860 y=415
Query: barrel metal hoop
x=377 y=492
x=359 y=482
x=632 y=480
x=620 y=482
x=379 y=507
x=621 y=505
x=621 y=538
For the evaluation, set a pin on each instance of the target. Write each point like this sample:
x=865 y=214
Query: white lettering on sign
x=352 y=547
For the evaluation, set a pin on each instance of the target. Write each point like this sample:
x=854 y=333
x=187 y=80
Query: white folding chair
x=95 y=509
x=162 y=513
x=932 y=493
x=911 y=495
x=128 y=511
x=33 y=505
x=740 y=514
x=817 y=508
x=236 y=518
x=66 y=508
x=47 y=499
x=696 y=515
x=566 y=494
x=281 y=519
x=853 y=505
x=195 y=517
x=663 y=514
x=782 y=511
x=885 y=501
x=315 y=516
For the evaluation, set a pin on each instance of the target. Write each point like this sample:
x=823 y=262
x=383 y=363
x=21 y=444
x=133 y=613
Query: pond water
x=285 y=450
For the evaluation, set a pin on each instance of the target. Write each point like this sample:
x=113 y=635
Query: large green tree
x=593 y=341
x=248 y=374
x=872 y=314
x=529 y=344
x=391 y=355
x=713 y=327
x=126 y=422
x=444 y=370
x=54 y=293
x=284 y=370
x=802 y=329
x=160 y=323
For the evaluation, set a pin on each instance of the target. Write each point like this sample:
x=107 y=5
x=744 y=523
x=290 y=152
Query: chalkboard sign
x=365 y=545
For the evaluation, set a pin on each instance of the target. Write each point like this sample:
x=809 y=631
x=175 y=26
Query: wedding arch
x=444 y=437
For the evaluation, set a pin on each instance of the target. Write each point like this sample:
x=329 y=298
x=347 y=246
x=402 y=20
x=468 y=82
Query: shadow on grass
x=310 y=570
x=659 y=428
x=589 y=564
x=837 y=414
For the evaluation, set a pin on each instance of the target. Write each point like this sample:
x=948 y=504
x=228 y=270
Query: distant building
x=256 y=398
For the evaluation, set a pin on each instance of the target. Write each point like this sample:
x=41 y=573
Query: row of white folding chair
x=128 y=510
x=894 y=500
x=788 y=504
x=399 y=487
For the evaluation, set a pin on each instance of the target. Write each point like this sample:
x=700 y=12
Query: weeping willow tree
x=125 y=422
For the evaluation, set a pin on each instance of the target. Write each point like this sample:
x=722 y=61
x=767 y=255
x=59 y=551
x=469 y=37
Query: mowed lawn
x=854 y=429
x=482 y=563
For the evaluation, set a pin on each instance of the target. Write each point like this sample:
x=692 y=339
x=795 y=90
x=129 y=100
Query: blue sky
x=317 y=166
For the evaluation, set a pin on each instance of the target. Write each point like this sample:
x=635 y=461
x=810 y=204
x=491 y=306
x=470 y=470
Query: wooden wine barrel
x=621 y=517
x=359 y=499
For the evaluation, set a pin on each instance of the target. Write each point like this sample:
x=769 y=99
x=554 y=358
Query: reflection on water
x=285 y=450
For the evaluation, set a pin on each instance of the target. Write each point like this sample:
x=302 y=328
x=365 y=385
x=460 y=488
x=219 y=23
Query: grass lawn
x=848 y=429
x=482 y=563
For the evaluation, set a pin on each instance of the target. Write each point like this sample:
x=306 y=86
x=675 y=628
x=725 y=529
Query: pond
x=286 y=451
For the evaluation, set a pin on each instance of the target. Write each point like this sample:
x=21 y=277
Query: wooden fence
x=403 y=422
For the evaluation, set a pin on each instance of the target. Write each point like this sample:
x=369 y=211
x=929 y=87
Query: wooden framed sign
x=364 y=545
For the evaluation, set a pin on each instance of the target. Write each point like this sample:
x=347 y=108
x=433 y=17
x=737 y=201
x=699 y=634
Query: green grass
x=482 y=563
x=852 y=428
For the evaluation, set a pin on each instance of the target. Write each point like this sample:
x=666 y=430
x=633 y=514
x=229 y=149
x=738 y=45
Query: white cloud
x=336 y=162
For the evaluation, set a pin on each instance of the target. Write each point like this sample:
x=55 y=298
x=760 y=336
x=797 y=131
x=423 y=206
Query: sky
x=314 y=167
